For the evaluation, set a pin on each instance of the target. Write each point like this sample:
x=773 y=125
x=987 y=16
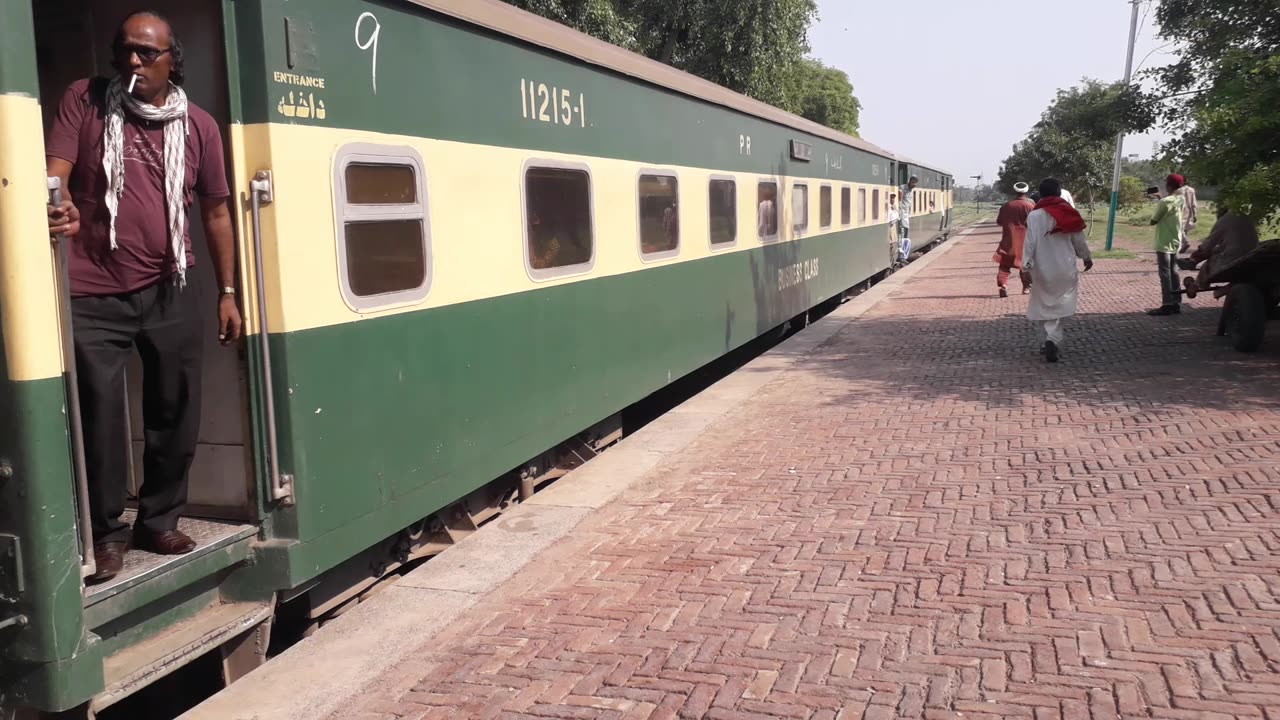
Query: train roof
x=507 y=20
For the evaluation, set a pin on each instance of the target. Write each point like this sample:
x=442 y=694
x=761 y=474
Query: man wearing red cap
x=1189 y=214
x=1167 y=220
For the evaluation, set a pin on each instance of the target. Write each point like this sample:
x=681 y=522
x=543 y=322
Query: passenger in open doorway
x=905 y=207
x=134 y=154
x=892 y=215
x=1013 y=234
x=1055 y=239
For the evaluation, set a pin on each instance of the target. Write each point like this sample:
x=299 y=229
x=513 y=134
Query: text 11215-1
x=554 y=105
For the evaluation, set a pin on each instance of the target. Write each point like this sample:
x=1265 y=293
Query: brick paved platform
x=920 y=518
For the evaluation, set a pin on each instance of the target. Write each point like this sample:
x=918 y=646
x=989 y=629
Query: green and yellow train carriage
x=468 y=236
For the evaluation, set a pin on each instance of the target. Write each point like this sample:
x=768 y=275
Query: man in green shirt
x=1168 y=221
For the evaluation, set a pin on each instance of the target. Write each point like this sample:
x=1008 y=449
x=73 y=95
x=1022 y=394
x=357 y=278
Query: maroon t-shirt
x=144 y=252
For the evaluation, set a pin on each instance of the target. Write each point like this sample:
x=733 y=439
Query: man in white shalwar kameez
x=1055 y=240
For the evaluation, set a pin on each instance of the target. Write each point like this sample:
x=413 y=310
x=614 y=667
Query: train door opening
x=73 y=39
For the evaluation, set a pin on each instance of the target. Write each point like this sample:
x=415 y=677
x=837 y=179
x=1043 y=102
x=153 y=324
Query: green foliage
x=824 y=95
x=1223 y=93
x=1075 y=138
x=597 y=18
x=1132 y=191
x=755 y=47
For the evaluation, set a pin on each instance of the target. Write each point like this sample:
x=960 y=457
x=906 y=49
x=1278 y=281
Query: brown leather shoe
x=164 y=542
x=108 y=559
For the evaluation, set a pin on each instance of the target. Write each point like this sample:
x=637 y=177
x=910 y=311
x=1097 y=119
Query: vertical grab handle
x=71 y=379
x=261 y=192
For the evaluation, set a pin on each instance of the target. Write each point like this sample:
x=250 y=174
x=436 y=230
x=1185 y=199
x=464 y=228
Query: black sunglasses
x=146 y=54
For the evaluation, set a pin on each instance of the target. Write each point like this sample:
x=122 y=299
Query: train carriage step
x=137 y=666
x=148 y=577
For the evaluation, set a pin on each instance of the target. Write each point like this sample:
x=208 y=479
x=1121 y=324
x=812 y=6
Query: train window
x=767 y=210
x=724 y=211
x=862 y=205
x=558 y=221
x=846 y=205
x=799 y=207
x=824 y=207
x=875 y=205
x=659 y=197
x=383 y=230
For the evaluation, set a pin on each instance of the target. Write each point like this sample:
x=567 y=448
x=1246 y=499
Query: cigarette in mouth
x=133 y=82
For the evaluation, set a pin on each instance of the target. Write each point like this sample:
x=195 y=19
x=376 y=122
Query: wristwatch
x=226 y=291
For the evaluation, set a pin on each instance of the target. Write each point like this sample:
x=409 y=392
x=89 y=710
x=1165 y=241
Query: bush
x=1132 y=192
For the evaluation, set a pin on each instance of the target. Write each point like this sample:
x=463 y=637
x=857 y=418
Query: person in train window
x=671 y=226
x=1055 y=239
x=544 y=246
x=134 y=154
x=1012 y=220
x=767 y=217
x=907 y=193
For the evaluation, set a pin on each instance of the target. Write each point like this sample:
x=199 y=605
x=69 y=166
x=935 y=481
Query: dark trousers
x=163 y=323
x=1169 y=282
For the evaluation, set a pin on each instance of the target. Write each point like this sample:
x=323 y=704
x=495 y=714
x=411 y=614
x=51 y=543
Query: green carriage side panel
x=17 y=49
x=441 y=78
x=46 y=664
x=389 y=419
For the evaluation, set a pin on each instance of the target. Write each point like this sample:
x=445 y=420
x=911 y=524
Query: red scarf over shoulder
x=1066 y=217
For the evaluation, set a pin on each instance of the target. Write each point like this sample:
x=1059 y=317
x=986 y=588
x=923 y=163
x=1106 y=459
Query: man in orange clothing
x=1013 y=226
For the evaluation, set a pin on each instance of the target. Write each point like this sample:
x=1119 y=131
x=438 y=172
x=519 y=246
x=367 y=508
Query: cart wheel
x=1246 y=311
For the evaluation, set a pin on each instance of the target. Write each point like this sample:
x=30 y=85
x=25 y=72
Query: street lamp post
x=1115 y=171
x=977 y=204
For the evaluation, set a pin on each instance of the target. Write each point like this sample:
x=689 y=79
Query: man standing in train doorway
x=134 y=153
x=906 y=206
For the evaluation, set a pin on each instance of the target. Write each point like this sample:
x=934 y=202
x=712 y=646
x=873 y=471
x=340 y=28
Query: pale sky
x=992 y=66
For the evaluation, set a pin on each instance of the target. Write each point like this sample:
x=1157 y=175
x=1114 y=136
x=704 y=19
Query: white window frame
x=544 y=274
x=662 y=254
x=361 y=153
x=737 y=208
x=778 y=204
x=832 y=190
x=791 y=209
x=853 y=193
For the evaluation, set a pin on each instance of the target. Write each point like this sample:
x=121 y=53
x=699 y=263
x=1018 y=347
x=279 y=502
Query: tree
x=1074 y=140
x=1223 y=91
x=755 y=47
x=597 y=18
x=1133 y=191
x=824 y=95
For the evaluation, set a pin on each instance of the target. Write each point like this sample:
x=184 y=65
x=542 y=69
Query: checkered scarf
x=177 y=125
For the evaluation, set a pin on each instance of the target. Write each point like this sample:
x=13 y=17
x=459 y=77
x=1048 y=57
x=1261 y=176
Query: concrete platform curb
x=317 y=676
